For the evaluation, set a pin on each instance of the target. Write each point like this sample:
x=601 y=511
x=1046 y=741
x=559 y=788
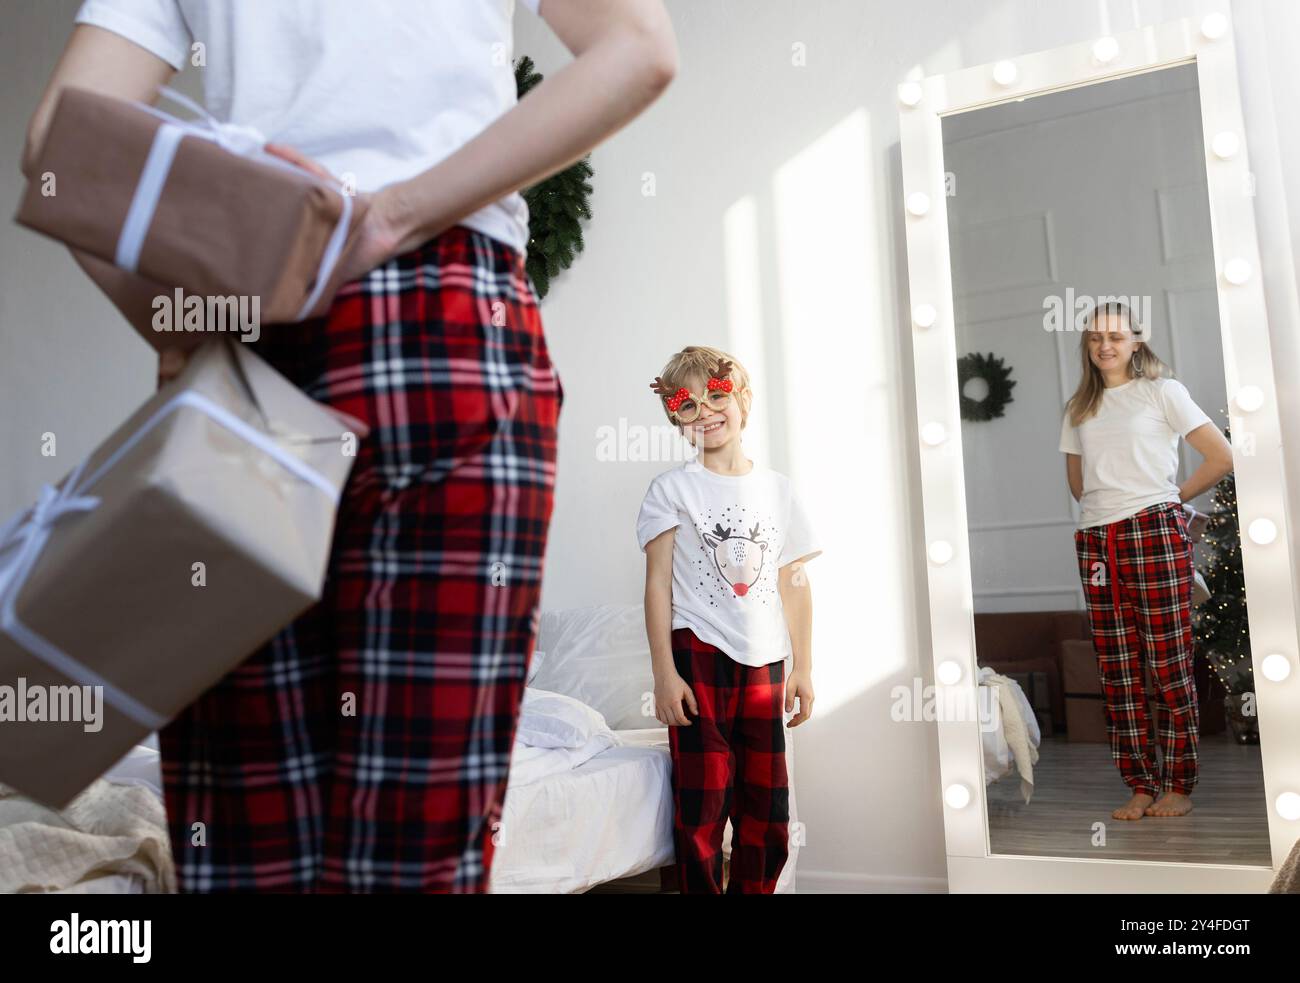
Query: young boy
x=726 y=601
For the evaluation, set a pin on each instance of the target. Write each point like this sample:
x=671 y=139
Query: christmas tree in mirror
x=1219 y=624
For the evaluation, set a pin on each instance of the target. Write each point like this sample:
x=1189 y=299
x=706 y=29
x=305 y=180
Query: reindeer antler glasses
x=686 y=406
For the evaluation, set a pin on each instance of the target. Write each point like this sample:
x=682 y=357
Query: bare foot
x=1170 y=804
x=1134 y=807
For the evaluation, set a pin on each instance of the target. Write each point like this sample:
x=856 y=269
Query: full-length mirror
x=1109 y=597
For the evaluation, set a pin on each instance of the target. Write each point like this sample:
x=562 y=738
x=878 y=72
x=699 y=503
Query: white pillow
x=553 y=720
x=600 y=656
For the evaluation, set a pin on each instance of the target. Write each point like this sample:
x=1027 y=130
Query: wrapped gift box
x=199 y=206
x=231 y=467
x=1085 y=714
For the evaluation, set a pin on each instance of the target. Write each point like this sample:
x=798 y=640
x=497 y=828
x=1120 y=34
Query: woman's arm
x=1074 y=475
x=625 y=56
x=110 y=64
x=100 y=60
x=1209 y=442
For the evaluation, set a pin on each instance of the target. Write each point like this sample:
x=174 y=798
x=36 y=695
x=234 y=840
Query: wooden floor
x=1077 y=785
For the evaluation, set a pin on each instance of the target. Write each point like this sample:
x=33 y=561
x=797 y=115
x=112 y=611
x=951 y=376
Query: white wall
x=776 y=230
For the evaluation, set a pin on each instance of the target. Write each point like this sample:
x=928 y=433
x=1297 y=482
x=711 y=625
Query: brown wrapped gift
x=231 y=467
x=213 y=221
x=1085 y=712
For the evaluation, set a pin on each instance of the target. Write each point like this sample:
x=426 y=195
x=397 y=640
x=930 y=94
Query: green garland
x=556 y=207
x=998 y=378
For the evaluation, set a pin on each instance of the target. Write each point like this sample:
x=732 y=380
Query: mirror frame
x=1207 y=41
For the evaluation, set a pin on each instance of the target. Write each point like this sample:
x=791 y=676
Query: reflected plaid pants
x=365 y=748
x=1137 y=577
x=729 y=764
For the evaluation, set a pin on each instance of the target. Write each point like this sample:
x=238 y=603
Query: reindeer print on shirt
x=739 y=559
x=735 y=555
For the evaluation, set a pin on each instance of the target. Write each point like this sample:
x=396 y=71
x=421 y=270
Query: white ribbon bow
x=247 y=141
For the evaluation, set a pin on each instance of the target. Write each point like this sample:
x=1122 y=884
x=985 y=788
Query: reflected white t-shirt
x=376 y=91
x=734 y=533
x=1130 y=448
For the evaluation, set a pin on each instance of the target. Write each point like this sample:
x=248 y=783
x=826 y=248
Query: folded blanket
x=1019 y=726
x=110 y=828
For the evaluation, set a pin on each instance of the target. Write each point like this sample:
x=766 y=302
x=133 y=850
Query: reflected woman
x=1120 y=439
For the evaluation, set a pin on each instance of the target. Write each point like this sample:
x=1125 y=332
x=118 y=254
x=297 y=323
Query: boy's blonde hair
x=693 y=365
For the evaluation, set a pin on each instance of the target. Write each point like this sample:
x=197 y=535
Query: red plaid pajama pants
x=729 y=764
x=366 y=747
x=1137 y=577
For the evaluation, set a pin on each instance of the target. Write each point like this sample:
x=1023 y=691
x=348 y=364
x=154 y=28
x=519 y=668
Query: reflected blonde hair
x=693 y=366
x=1144 y=364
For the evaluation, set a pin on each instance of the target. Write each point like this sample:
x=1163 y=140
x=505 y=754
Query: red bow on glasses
x=674 y=398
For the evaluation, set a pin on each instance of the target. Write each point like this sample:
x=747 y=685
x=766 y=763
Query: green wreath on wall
x=557 y=206
x=996 y=375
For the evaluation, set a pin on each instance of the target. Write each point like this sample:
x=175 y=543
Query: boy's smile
x=715 y=429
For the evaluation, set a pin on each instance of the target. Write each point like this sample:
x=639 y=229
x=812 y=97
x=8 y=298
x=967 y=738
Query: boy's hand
x=1196 y=523
x=799 y=684
x=670 y=695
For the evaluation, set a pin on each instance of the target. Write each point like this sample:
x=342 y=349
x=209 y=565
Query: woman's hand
x=799 y=684
x=379 y=237
x=672 y=696
x=1196 y=523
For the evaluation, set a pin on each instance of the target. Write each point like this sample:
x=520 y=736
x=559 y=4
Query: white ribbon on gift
x=246 y=141
x=30 y=531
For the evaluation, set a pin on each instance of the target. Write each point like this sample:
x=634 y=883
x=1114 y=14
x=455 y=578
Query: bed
x=589 y=800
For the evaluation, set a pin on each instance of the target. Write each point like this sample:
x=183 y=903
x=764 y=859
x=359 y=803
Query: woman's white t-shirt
x=375 y=91
x=734 y=533
x=1130 y=448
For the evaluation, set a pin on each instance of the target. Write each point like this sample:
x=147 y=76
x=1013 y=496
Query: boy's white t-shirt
x=734 y=532
x=1130 y=448
x=380 y=90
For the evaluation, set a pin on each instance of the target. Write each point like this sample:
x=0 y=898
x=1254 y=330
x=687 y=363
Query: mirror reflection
x=1109 y=600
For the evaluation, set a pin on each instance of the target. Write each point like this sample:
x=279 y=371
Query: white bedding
x=610 y=817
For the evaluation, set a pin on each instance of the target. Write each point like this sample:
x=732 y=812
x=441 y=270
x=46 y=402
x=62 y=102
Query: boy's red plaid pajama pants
x=729 y=764
x=1137 y=578
x=365 y=748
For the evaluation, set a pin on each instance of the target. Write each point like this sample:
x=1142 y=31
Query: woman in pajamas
x=366 y=747
x=1120 y=437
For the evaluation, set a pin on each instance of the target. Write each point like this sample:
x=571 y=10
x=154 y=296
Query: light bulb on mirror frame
x=1105 y=50
x=909 y=94
x=1262 y=531
x=924 y=315
x=1288 y=805
x=1249 y=398
x=918 y=203
x=956 y=796
x=940 y=552
x=934 y=433
x=1214 y=26
x=1225 y=145
x=1236 y=271
x=949 y=672
x=1005 y=72
x=1275 y=667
